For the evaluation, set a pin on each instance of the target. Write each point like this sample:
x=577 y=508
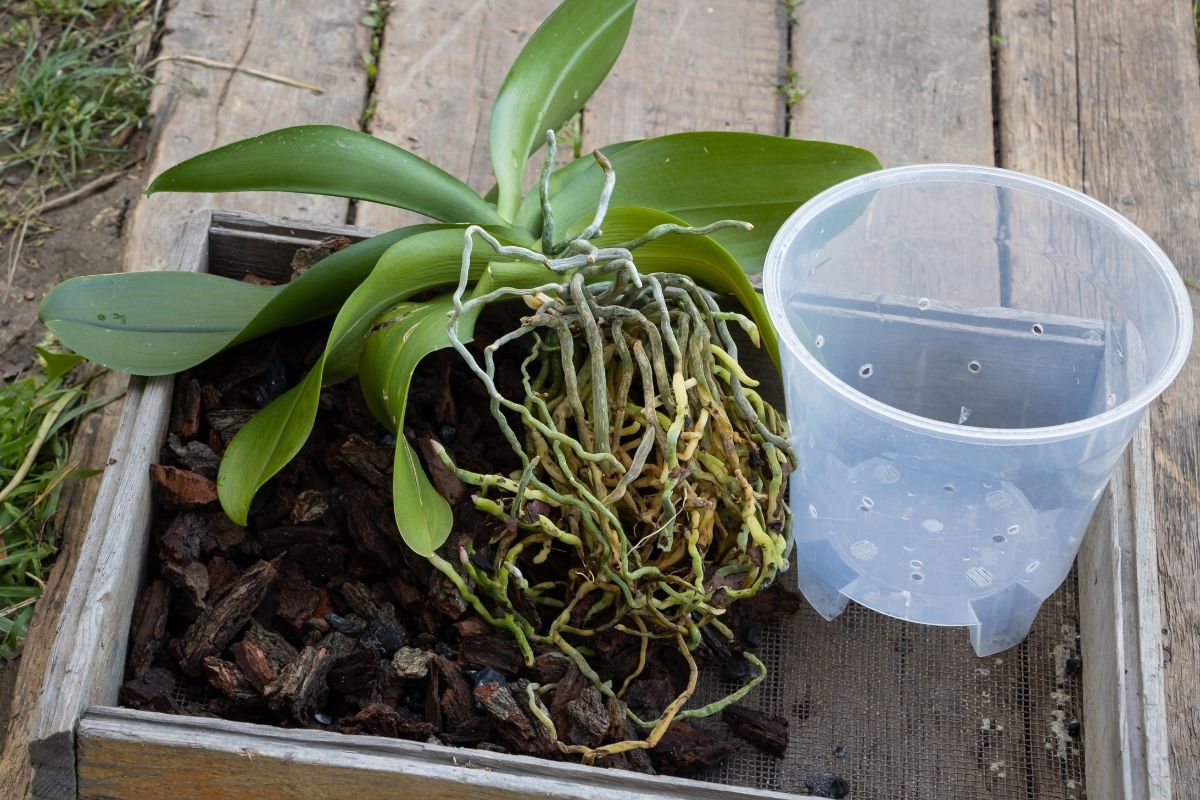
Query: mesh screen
x=903 y=711
x=908 y=712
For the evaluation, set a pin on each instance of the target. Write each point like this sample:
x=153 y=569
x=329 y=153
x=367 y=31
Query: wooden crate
x=84 y=746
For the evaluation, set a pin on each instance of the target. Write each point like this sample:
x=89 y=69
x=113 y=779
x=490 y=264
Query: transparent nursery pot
x=966 y=352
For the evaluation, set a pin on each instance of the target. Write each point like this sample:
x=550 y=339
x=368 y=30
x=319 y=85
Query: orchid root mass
x=647 y=457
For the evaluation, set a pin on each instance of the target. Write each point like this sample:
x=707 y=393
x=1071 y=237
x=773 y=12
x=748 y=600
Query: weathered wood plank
x=694 y=65
x=136 y=755
x=1106 y=97
x=85 y=662
x=197 y=108
x=910 y=81
x=440 y=66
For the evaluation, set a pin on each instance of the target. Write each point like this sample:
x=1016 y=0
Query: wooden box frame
x=84 y=746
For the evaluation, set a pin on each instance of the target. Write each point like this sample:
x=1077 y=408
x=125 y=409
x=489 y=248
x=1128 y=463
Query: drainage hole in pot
x=865 y=370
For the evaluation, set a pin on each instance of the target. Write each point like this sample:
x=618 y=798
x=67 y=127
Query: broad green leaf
x=699 y=257
x=57 y=364
x=397 y=342
x=326 y=159
x=271 y=439
x=157 y=323
x=704 y=177
x=151 y=323
x=556 y=72
x=529 y=216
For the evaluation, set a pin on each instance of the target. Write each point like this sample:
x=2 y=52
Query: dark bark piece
x=320 y=561
x=360 y=459
x=251 y=363
x=297 y=600
x=472 y=626
x=222 y=533
x=357 y=676
x=444 y=598
x=511 y=722
x=472 y=733
x=225 y=423
x=181 y=489
x=767 y=732
x=185 y=409
x=450 y=699
x=181 y=542
x=286 y=537
x=648 y=697
x=444 y=479
x=570 y=687
x=221 y=574
x=230 y=680
x=178 y=551
x=771 y=603
x=493 y=650
x=587 y=719
x=262 y=655
x=621 y=729
x=149 y=630
x=305 y=257
x=370 y=522
x=549 y=667
x=685 y=749
x=381 y=720
x=196 y=456
x=152 y=689
x=301 y=684
x=210 y=398
x=310 y=507
x=221 y=622
x=360 y=600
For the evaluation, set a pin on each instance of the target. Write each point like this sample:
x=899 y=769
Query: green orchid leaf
x=270 y=440
x=556 y=72
x=398 y=341
x=704 y=177
x=326 y=159
x=529 y=215
x=157 y=323
x=699 y=257
x=395 y=345
x=265 y=445
x=151 y=323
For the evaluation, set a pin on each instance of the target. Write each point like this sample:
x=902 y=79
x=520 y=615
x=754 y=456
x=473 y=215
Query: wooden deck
x=1097 y=94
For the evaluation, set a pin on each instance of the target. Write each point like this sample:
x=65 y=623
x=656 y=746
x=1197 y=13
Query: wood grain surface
x=1106 y=97
x=197 y=108
x=910 y=81
x=132 y=755
x=439 y=69
x=694 y=65
x=1100 y=95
